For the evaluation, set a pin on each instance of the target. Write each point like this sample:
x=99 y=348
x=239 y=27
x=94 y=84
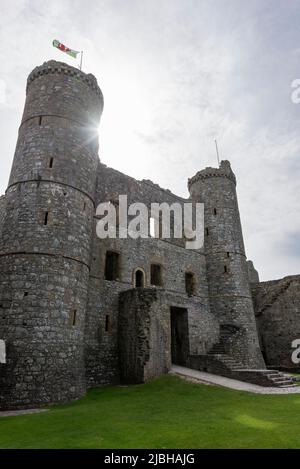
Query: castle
x=77 y=311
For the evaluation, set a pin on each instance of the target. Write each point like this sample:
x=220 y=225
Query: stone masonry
x=77 y=311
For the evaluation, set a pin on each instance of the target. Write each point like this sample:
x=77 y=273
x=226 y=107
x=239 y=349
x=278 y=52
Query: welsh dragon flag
x=67 y=50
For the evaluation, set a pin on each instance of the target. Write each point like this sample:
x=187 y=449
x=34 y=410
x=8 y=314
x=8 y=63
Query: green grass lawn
x=165 y=413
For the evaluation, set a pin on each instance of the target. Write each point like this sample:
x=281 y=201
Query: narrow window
x=228 y=255
x=25 y=294
x=190 y=283
x=112 y=265
x=207 y=232
x=156 y=275
x=51 y=163
x=107 y=323
x=73 y=317
x=139 y=279
x=215 y=211
x=40 y=120
x=46 y=218
x=2 y=351
x=225 y=269
x=84 y=206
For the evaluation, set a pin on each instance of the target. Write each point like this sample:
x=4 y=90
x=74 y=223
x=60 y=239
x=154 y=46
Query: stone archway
x=139 y=278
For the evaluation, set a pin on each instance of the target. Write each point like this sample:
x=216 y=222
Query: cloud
x=290 y=244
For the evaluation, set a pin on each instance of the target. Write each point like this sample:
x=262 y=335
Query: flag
x=60 y=46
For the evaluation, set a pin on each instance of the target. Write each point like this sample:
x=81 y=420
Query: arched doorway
x=139 y=278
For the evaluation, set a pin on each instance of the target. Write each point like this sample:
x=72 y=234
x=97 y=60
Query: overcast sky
x=175 y=75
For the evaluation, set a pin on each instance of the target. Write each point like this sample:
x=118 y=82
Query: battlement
x=54 y=67
x=224 y=171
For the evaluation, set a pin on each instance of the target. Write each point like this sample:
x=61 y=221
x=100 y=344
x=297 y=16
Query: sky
x=175 y=75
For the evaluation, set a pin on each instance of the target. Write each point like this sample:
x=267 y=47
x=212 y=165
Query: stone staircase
x=270 y=298
x=219 y=361
x=226 y=359
x=280 y=380
x=233 y=368
x=270 y=378
x=197 y=376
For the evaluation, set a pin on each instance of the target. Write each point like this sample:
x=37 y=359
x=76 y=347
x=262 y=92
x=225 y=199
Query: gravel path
x=208 y=378
x=13 y=413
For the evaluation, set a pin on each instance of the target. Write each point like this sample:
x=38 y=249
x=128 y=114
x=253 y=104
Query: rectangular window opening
x=189 y=283
x=225 y=269
x=206 y=231
x=51 y=163
x=107 y=323
x=74 y=317
x=112 y=266
x=156 y=275
x=215 y=211
x=40 y=120
x=46 y=218
x=228 y=254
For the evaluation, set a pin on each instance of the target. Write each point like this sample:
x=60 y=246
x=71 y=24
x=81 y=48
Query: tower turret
x=227 y=274
x=46 y=238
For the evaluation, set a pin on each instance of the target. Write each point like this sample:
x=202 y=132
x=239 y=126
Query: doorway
x=179 y=336
x=139 y=281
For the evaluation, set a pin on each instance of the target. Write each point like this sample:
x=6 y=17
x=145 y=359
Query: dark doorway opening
x=139 y=279
x=179 y=336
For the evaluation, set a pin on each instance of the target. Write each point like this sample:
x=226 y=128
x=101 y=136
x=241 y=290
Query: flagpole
x=217 y=152
x=81 y=54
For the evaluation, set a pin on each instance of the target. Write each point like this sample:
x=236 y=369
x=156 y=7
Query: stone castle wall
x=102 y=346
x=46 y=238
x=2 y=211
x=277 y=309
x=144 y=335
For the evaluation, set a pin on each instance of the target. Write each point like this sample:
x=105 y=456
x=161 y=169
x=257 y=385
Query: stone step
x=272 y=374
x=289 y=386
x=282 y=383
x=278 y=379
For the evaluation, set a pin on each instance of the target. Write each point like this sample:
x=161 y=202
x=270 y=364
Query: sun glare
x=125 y=120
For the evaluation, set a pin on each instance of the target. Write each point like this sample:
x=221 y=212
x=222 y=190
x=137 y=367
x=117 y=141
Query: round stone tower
x=227 y=272
x=46 y=238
